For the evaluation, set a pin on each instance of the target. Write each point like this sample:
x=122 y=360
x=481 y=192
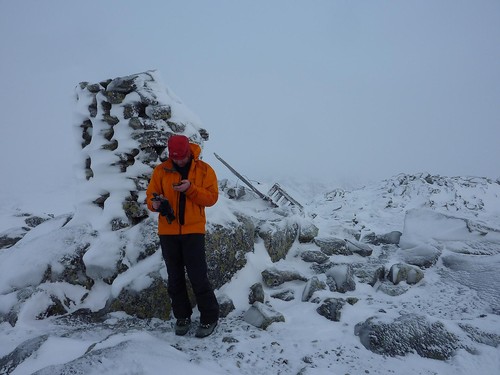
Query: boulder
x=331 y=308
x=479 y=335
x=405 y=272
x=71 y=269
x=392 y=290
x=369 y=273
x=391 y=238
x=312 y=286
x=226 y=305
x=359 y=248
x=273 y=277
x=285 y=295
x=340 y=278
x=307 y=232
x=407 y=334
x=23 y=351
x=314 y=256
x=226 y=249
x=12 y=236
x=262 y=316
x=278 y=237
x=256 y=294
x=150 y=302
x=332 y=246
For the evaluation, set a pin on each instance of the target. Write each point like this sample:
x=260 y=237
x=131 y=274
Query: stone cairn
x=125 y=123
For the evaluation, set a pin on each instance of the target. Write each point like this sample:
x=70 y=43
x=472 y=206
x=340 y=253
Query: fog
x=323 y=90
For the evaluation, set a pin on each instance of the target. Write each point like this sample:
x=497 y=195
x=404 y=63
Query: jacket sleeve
x=207 y=194
x=153 y=187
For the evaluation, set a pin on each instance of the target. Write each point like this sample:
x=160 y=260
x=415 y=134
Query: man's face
x=182 y=162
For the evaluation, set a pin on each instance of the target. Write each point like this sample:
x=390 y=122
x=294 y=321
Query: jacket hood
x=195 y=150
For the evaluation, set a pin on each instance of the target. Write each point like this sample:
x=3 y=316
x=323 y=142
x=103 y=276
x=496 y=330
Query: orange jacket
x=202 y=193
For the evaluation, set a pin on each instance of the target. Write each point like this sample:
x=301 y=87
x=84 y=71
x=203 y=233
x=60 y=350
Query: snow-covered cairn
x=124 y=125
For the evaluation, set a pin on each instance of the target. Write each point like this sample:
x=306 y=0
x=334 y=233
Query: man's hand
x=182 y=186
x=157 y=202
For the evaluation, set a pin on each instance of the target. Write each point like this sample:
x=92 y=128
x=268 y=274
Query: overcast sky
x=315 y=89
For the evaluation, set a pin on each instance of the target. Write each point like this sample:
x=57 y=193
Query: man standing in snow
x=189 y=185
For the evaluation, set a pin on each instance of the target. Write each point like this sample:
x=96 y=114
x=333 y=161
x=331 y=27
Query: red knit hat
x=178 y=147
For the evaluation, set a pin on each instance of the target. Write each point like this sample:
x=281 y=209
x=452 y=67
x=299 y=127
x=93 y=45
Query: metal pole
x=265 y=197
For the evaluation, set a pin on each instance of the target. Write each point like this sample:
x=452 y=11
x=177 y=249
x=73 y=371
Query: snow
x=305 y=340
x=461 y=219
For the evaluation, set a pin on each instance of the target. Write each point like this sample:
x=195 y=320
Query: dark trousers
x=187 y=252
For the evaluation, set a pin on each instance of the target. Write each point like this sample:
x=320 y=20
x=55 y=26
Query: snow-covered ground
x=306 y=343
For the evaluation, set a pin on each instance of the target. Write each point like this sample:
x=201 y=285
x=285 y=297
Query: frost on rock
x=262 y=316
x=274 y=277
x=405 y=272
x=125 y=124
x=21 y=353
x=407 y=334
x=340 y=278
x=331 y=308
x=312 y=286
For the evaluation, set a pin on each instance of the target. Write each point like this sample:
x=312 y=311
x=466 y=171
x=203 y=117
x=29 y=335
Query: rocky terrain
x=403 y=272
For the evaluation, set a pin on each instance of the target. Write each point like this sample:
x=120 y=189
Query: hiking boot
x=205 y=330
x=182 y=326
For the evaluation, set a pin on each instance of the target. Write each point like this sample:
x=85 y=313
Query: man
x=189 y=185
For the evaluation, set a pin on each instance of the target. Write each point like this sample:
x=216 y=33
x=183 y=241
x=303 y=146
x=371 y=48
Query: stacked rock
x=125 y=123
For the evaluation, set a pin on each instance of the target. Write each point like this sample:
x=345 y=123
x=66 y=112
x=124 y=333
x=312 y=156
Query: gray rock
x=262 y=316
x=256 y=293
x=10 y=237
x=331 y=308
x=390 y=289
x=314 y=256
x=26 y=349
x=71 y=269
x=359 y=248
x=278 y=237
x=226 y=305
x=22 y=296
x=340 y=278
x=273 y=277
x=307 y=232
x=332 y=246
x=322 y=268
x=144 y=240
x=159 y=112
x=123 y=85
x=369 y=273
x=285 y=295
x=151 y=302
x=407 y=334
x=478 y=335
x=405 y=272
x=312 y=286
x=391 y=238
x=226 y=249
x=34 y=221
x=114 y=97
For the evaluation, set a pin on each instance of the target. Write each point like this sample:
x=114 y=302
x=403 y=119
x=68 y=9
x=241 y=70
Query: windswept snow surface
x=460 y=288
